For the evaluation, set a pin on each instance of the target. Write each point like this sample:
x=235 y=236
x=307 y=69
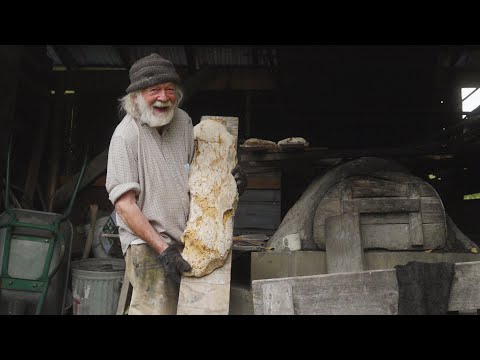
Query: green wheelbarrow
x=35 y=251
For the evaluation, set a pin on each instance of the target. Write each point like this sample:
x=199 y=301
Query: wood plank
x=327 y=208
x=380 y=260
x=11 y=57
x=267 y=195
x=250 y=248
x=55 y=146
x=334 y=155
x=191 y=58
x=383 y=219
x=346 y=195
x=388 y=236
x=465 y=291
x=232 y=124
x=278 y=299
x=124 y=55
x=391 y=231
x=344 y=244
x=64 y=54
x=271 y=264
x=39 y=141
x=415 y=221
x=381 y=205
x=122 y=300
x=367 y=188
x=432 y=204
x=96 y=167
x=426 y=190
x=207 y=295
x=399 y=218
x=256 y=182
x=258 y=215
x=364 y=293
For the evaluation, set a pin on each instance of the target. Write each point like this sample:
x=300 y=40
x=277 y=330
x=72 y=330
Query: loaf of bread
x=293 y=141
x=259 y=142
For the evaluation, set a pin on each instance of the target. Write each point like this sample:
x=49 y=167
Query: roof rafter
x=123 y=53
x=65 y=56
x=191 y=58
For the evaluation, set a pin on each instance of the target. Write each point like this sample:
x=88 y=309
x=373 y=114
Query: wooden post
x=122 y=300
x=207 y=295
x=94 y=169
x=37 y=152
x=344 y=243
x=11 y=57
x=415 y=218
x=91 y=231
x=55 y=144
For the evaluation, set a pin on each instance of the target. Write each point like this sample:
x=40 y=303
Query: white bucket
x=100 y=245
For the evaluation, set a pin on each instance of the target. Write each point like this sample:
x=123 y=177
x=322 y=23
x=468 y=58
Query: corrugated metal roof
x=175 y=54
x=122 y=56
x=224 y=56
x=95 y=55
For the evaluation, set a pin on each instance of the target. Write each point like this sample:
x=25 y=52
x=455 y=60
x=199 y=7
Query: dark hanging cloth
x=424 y=288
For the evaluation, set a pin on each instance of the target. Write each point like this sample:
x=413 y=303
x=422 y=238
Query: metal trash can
x=96 y=285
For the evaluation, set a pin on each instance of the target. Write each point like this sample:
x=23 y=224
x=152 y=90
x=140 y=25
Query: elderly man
x=147 y=181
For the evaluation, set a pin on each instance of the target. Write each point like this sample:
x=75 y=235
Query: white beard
x=147 y=116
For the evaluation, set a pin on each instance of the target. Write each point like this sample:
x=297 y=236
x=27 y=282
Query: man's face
x=157 y=104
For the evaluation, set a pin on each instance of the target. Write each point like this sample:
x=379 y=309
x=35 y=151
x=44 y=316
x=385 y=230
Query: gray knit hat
x=151 y=70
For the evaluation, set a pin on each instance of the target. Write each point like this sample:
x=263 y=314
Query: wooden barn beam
x=191 y=59
x=123 y=53
x=65 y=56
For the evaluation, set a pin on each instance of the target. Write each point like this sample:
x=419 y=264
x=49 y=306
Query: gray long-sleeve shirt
x=156 y=167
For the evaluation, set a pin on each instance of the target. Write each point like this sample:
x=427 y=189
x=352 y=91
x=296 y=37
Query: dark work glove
x=240 y=179
x=173 y=263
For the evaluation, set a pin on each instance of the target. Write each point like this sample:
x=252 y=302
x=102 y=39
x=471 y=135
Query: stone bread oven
x=390 y=210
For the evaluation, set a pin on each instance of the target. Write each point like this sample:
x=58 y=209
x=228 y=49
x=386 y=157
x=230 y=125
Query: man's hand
x=173 y=263
x=240 y=179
